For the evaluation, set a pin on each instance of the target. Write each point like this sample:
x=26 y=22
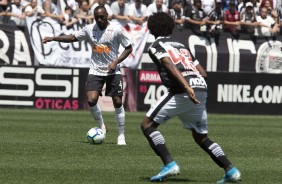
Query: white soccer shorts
x=192 y=116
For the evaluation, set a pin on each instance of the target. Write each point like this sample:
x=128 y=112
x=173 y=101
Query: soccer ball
x=95 y=135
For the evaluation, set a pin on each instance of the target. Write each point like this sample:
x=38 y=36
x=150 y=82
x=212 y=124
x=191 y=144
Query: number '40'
x=154 y=93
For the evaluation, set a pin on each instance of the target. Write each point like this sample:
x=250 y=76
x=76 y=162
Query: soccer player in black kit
x=182 y=74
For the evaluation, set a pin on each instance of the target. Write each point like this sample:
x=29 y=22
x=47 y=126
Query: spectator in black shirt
x=177 y=13
x=215 y=20
x=197 y=18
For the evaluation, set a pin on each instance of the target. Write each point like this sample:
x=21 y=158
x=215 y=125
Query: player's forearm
x=237 y=23
x=202 y=71
x=197 y=22
x=175 y=73
x=120 y=17
x=64 y=38
x=12 y=14
x=124 y=54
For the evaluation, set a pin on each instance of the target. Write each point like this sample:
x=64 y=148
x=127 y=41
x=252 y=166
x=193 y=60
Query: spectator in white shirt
x=103 y=3
x=73 y=4
x=15 y=11
x=69 y=19
x=53 y=10
x=84 y=15
x=268 y=26
x=157 y=6
x=120 y=12
x=138 y=12
x=208 y=5
x=25 y=3
x=33 y=9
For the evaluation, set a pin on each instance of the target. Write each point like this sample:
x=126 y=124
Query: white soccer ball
x=95 y=135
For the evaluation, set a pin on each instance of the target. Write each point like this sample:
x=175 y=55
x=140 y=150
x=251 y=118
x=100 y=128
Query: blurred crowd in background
x=203 y=17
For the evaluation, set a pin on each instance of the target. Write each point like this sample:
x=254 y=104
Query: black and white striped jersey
x=182 y=58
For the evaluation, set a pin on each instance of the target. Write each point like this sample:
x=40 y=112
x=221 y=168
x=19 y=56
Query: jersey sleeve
x=196 y=62
x=272 y=22
x=158 y=50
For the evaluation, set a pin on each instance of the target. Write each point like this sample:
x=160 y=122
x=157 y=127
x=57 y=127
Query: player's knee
x=148 y=123
x=199 y=138
x=92 y=98
x=92 y=103
x=145 y=123
x=117 y=105
x=117 y=101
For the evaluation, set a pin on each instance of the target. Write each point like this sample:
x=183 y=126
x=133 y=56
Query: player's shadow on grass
x=178 y=179
x=97 y=144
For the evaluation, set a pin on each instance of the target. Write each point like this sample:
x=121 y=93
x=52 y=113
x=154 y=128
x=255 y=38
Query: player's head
x=160 y=24
x=101 y=17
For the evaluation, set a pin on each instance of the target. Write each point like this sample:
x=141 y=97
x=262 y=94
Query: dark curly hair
x=160 y=24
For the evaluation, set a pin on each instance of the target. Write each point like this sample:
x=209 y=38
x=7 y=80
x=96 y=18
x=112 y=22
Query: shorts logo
x=269 y=58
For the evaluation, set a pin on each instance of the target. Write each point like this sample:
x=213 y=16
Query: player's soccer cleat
x=121 y=140
x=171 y=169
x=233 y=175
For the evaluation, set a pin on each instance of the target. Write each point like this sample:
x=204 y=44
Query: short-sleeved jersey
x=176 y=15
x=195 y=14
x=182 y=58
x=152 y=8
x=105 y=45
x=232 y=17
x=140 y=12
x=216 y=15
x=120 y=10
x=248 y=16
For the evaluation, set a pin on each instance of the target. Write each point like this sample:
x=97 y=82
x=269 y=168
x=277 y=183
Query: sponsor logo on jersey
x=198 y=82
x=101 y=49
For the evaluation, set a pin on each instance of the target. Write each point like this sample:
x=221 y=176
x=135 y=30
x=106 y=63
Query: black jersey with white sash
x=182 y=58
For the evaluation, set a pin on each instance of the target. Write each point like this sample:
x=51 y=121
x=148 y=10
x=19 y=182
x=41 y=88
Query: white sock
x=97 y=115
x=120 y=118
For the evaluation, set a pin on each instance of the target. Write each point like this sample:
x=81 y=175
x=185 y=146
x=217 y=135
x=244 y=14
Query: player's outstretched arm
x=64 y=38
x=171 y=68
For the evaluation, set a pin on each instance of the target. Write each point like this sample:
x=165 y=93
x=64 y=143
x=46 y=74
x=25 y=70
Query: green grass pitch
x=44 y=146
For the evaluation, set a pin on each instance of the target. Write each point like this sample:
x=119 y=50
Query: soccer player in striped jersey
x=105 y=39
x=186 y=98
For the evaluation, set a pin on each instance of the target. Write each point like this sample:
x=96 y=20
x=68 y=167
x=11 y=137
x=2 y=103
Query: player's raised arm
x=63 y=38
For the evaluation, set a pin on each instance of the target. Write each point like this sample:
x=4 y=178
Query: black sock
x=216 y=153
x=157 y=143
